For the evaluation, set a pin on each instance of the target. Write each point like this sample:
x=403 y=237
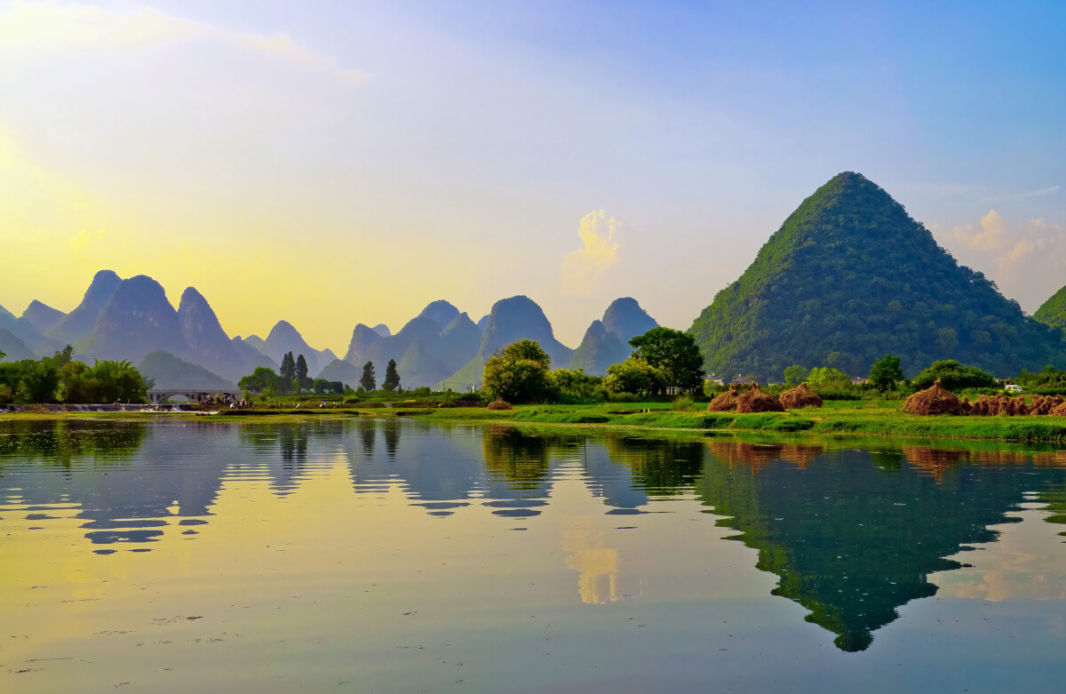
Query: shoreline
x=863 y=419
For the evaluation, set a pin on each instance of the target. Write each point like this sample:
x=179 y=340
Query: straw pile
x=932 y=401
x=758 y=400
x=499 y=404
x=726 y=401
x=799 y=397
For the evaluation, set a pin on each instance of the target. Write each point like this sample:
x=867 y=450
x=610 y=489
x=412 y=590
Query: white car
x=1012 y=388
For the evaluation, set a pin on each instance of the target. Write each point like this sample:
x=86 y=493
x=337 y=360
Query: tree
x=368 y=381
x=2 y=354
x=886 y=373
x=117 y=381
x=323 y=387
x=954 y=376
x=794 y=375
x=392 y=379
x=825 y=377
x=674 y=353
x=519 y=373
x=634 y=375
x=302 y=381
x=574 y=385
x=262 y=380
x=288 y=367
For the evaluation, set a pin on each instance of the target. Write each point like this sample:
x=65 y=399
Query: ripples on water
x=305 y=553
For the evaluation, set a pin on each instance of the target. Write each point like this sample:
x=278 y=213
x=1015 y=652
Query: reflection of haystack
x=726 y=401
x=931 y=401
x=499 y=404
x=800 y=455
x=799 y=397
x=754 y=454
x=758 y=400
x=933 y=461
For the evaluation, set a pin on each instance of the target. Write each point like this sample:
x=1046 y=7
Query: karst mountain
x=849 y=277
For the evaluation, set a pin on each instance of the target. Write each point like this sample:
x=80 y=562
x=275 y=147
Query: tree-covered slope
x=849 y=277
x=1053 y=311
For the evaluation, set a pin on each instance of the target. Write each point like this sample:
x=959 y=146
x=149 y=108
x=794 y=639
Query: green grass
x=864 y=418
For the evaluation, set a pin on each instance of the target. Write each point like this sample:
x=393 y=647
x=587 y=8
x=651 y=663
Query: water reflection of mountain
x=851 y=534
x=448 y=469
x=854 y=535
x=124 y=477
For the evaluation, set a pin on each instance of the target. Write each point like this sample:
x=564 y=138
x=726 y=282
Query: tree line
x=664 y=361
x=62 y=379
x=293 y=379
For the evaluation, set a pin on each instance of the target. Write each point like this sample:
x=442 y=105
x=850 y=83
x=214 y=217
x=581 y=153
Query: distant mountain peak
x=41 y=316
x=606 y=341
x=441 y=311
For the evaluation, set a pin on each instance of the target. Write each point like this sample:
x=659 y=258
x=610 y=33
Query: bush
x=518 y=373
x=575 y=386
x=634 y=376
x=623 y=397
x=954 y=376
x=685 y=403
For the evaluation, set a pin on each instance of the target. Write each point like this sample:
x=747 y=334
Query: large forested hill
x=1053 y=311
x=849 y=277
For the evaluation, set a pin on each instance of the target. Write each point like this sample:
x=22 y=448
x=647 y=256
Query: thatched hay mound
x=932 y=401
x=758 y=400
x=1058 y=410
x=500 y=404
x=726 y=401
x=799 y=397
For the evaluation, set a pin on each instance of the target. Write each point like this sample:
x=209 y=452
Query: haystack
x=758 y=400
x=1058 y=410
x=931 y=401
x=726 y=401
x=499 y=404
x=799 y=397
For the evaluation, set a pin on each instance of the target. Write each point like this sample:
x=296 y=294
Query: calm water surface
x=391 y=555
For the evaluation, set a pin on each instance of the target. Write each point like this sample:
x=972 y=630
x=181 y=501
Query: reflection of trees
x=516 y=456
x=283 y=447
x=659 y=466
x=62 y=441
x=368 y=429
x=391 y=428
x=851 y=537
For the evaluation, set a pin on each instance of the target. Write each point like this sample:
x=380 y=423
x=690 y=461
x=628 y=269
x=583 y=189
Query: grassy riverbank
x=872 y=418
x=864 y=418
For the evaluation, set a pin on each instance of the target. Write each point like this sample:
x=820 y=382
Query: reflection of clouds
x=1015 y=567
x=598 y=565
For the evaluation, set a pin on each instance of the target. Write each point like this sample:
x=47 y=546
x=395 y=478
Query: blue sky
x=464 y=143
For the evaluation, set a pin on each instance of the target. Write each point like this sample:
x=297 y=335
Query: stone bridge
x=160 y=395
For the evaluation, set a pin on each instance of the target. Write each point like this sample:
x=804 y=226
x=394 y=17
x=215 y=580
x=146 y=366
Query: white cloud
x=583 y=269
x=991 y=237
x=1025 y=260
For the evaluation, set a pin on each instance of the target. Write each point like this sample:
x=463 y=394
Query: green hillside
x=1053 y=311
x=849 y=277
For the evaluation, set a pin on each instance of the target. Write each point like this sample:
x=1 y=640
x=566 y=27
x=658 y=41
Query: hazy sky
x=339 y=162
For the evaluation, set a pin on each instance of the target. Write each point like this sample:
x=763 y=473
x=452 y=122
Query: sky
x=330 y=163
